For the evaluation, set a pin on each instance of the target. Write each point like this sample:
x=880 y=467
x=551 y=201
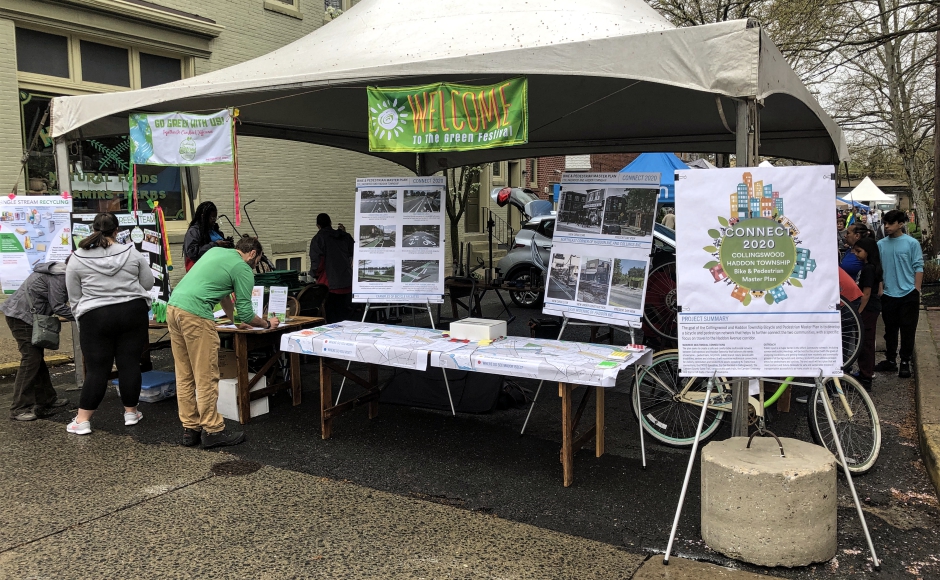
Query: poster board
x=34 y=229
x=399 y=235
x=143 y=232
x=601 y=248
x=756 y=261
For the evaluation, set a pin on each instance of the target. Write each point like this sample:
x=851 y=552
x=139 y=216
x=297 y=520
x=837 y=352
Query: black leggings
x=116 y=333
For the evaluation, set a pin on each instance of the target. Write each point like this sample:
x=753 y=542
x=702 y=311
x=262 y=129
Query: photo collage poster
x=34 y=229
x=399 y=252
x=144 y=233
x=602 y=245
x=756 y=269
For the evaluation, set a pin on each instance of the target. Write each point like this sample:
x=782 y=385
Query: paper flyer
x=257 y=300
x=399 y=252
x=601 y=248
x=34 y=229
x=277 y=301
x=756 y=261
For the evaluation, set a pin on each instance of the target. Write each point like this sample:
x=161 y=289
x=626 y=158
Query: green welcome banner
x=448 y=117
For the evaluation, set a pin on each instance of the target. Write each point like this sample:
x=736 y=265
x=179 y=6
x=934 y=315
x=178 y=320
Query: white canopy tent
x=868 y=191
x=604 y=75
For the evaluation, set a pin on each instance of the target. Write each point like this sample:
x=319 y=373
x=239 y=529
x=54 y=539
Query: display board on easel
x=33 y=229
x=399 y=235
x=601 y=248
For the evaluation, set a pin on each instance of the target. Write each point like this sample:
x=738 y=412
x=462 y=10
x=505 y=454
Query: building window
x=104 y=64
x=157 y=70
x=295 y=263
x=498 y=169
x=42 y=53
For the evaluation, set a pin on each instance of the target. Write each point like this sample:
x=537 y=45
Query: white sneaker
x=132 y=418
x=83 y=428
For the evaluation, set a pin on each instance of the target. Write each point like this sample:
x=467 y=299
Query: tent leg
x=65 y=184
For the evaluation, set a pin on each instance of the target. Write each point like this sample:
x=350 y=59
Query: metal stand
x=688 y=471
x=561 y=331
x=365 y=313
x=827 y=405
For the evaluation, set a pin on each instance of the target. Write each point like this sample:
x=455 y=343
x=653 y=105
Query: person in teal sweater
x=195 y=341
x=903 y=264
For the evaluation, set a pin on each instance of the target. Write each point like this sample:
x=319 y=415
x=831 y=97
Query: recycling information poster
x=181 y=138
x=144 y=233
x=448 y=116
x=756 y=263
x=399 y=234
x=34 y=229
x=602 y=245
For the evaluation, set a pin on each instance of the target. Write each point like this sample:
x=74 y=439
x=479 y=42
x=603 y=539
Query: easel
x=365 y=312
x=564 y=324
x=827 y=405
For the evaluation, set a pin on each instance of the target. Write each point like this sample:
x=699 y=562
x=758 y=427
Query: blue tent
x=853 y=203
x=665 y=164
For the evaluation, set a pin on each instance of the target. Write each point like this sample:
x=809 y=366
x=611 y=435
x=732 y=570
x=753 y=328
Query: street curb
x=927 y=396
x=51 y=360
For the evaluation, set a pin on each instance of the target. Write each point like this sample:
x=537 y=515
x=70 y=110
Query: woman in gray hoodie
x=109 y=287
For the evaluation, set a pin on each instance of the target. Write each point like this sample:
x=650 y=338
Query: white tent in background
x=700 y=164
x=604 y=76
x=765 y=163
x=868 y=191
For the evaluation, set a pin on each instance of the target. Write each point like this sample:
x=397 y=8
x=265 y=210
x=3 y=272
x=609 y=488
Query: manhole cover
x=235 y=468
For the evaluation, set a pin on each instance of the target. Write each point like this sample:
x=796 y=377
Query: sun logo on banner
x=755 y=250
x=390 y=121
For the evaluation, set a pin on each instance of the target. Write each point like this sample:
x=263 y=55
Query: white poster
x=602 y=245
x=181 y=138
x=34 y=229
x=756 y=261
x=277 y=301
x=257 y=300
x=399 y=253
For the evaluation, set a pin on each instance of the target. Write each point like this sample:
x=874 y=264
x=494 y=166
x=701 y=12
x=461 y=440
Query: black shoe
x=60 y=402
x=905 y=371
x=866 y=383
x=886 y=366
x=222 y=439
x=191 y=437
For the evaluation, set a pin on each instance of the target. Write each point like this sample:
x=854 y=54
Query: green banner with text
x=449 y=117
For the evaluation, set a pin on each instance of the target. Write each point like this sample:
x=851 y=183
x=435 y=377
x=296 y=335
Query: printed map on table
x=553 y=360
x=397 y=346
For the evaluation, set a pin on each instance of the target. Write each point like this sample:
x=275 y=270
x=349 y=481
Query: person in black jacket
x=331 y=254
x=33 y=395
x=203 y=234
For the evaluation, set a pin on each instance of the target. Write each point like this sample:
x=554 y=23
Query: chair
x=310 y=300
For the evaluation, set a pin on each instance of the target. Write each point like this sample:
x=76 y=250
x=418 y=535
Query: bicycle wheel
x=851 y=333
x=860 y=435
x=660 y=310
x=661 y=414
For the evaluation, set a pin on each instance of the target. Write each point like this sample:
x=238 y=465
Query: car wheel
x=524 y=298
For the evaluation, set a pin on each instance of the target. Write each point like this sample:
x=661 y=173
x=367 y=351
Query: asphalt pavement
x=560 y=291
x=411 y=494
x=377 y=205
x=422 y=204
x=421 y=239
x=626 y=297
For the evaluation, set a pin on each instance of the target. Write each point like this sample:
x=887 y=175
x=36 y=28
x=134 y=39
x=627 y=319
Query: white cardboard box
x=477 y=329
x=228 y=404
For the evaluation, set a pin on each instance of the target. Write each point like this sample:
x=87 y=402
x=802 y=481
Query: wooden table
x=255 y=339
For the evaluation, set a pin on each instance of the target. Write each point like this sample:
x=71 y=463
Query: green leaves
x=747 y=299
x=769 y=298
x=796 y=282
x=714 y=234
x=723 y=222
x=710 y=265
x=710 y=249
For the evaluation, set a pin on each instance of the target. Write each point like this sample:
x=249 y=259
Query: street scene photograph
x=421 y=236
x=377 y=236
x=384 y=201
x=581 y=211
x=594 y=280
x=629 y=212
x=421 y=201
x=376 y=270
x=626 y=284
x=563 y=277
x=414 y=271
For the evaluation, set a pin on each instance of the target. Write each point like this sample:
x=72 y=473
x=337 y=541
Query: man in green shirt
x=195 y=340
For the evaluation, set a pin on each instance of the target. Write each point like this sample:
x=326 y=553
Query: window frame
x=291 y=8
x=289 y=256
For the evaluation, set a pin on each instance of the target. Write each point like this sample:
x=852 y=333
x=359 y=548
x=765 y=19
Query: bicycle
x=668 y=408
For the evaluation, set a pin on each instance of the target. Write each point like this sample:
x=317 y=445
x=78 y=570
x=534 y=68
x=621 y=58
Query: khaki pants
x=195 y=343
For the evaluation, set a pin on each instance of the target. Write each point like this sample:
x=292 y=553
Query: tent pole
x=65 y=184
x=746 y=133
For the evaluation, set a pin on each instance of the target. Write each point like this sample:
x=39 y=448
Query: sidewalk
x=927 y=378
x=10 y=355
x=106 y=506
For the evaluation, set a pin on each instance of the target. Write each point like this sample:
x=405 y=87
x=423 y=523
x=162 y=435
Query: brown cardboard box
x=228 y=369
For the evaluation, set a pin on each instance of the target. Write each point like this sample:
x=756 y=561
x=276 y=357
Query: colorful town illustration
x=756 y=199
